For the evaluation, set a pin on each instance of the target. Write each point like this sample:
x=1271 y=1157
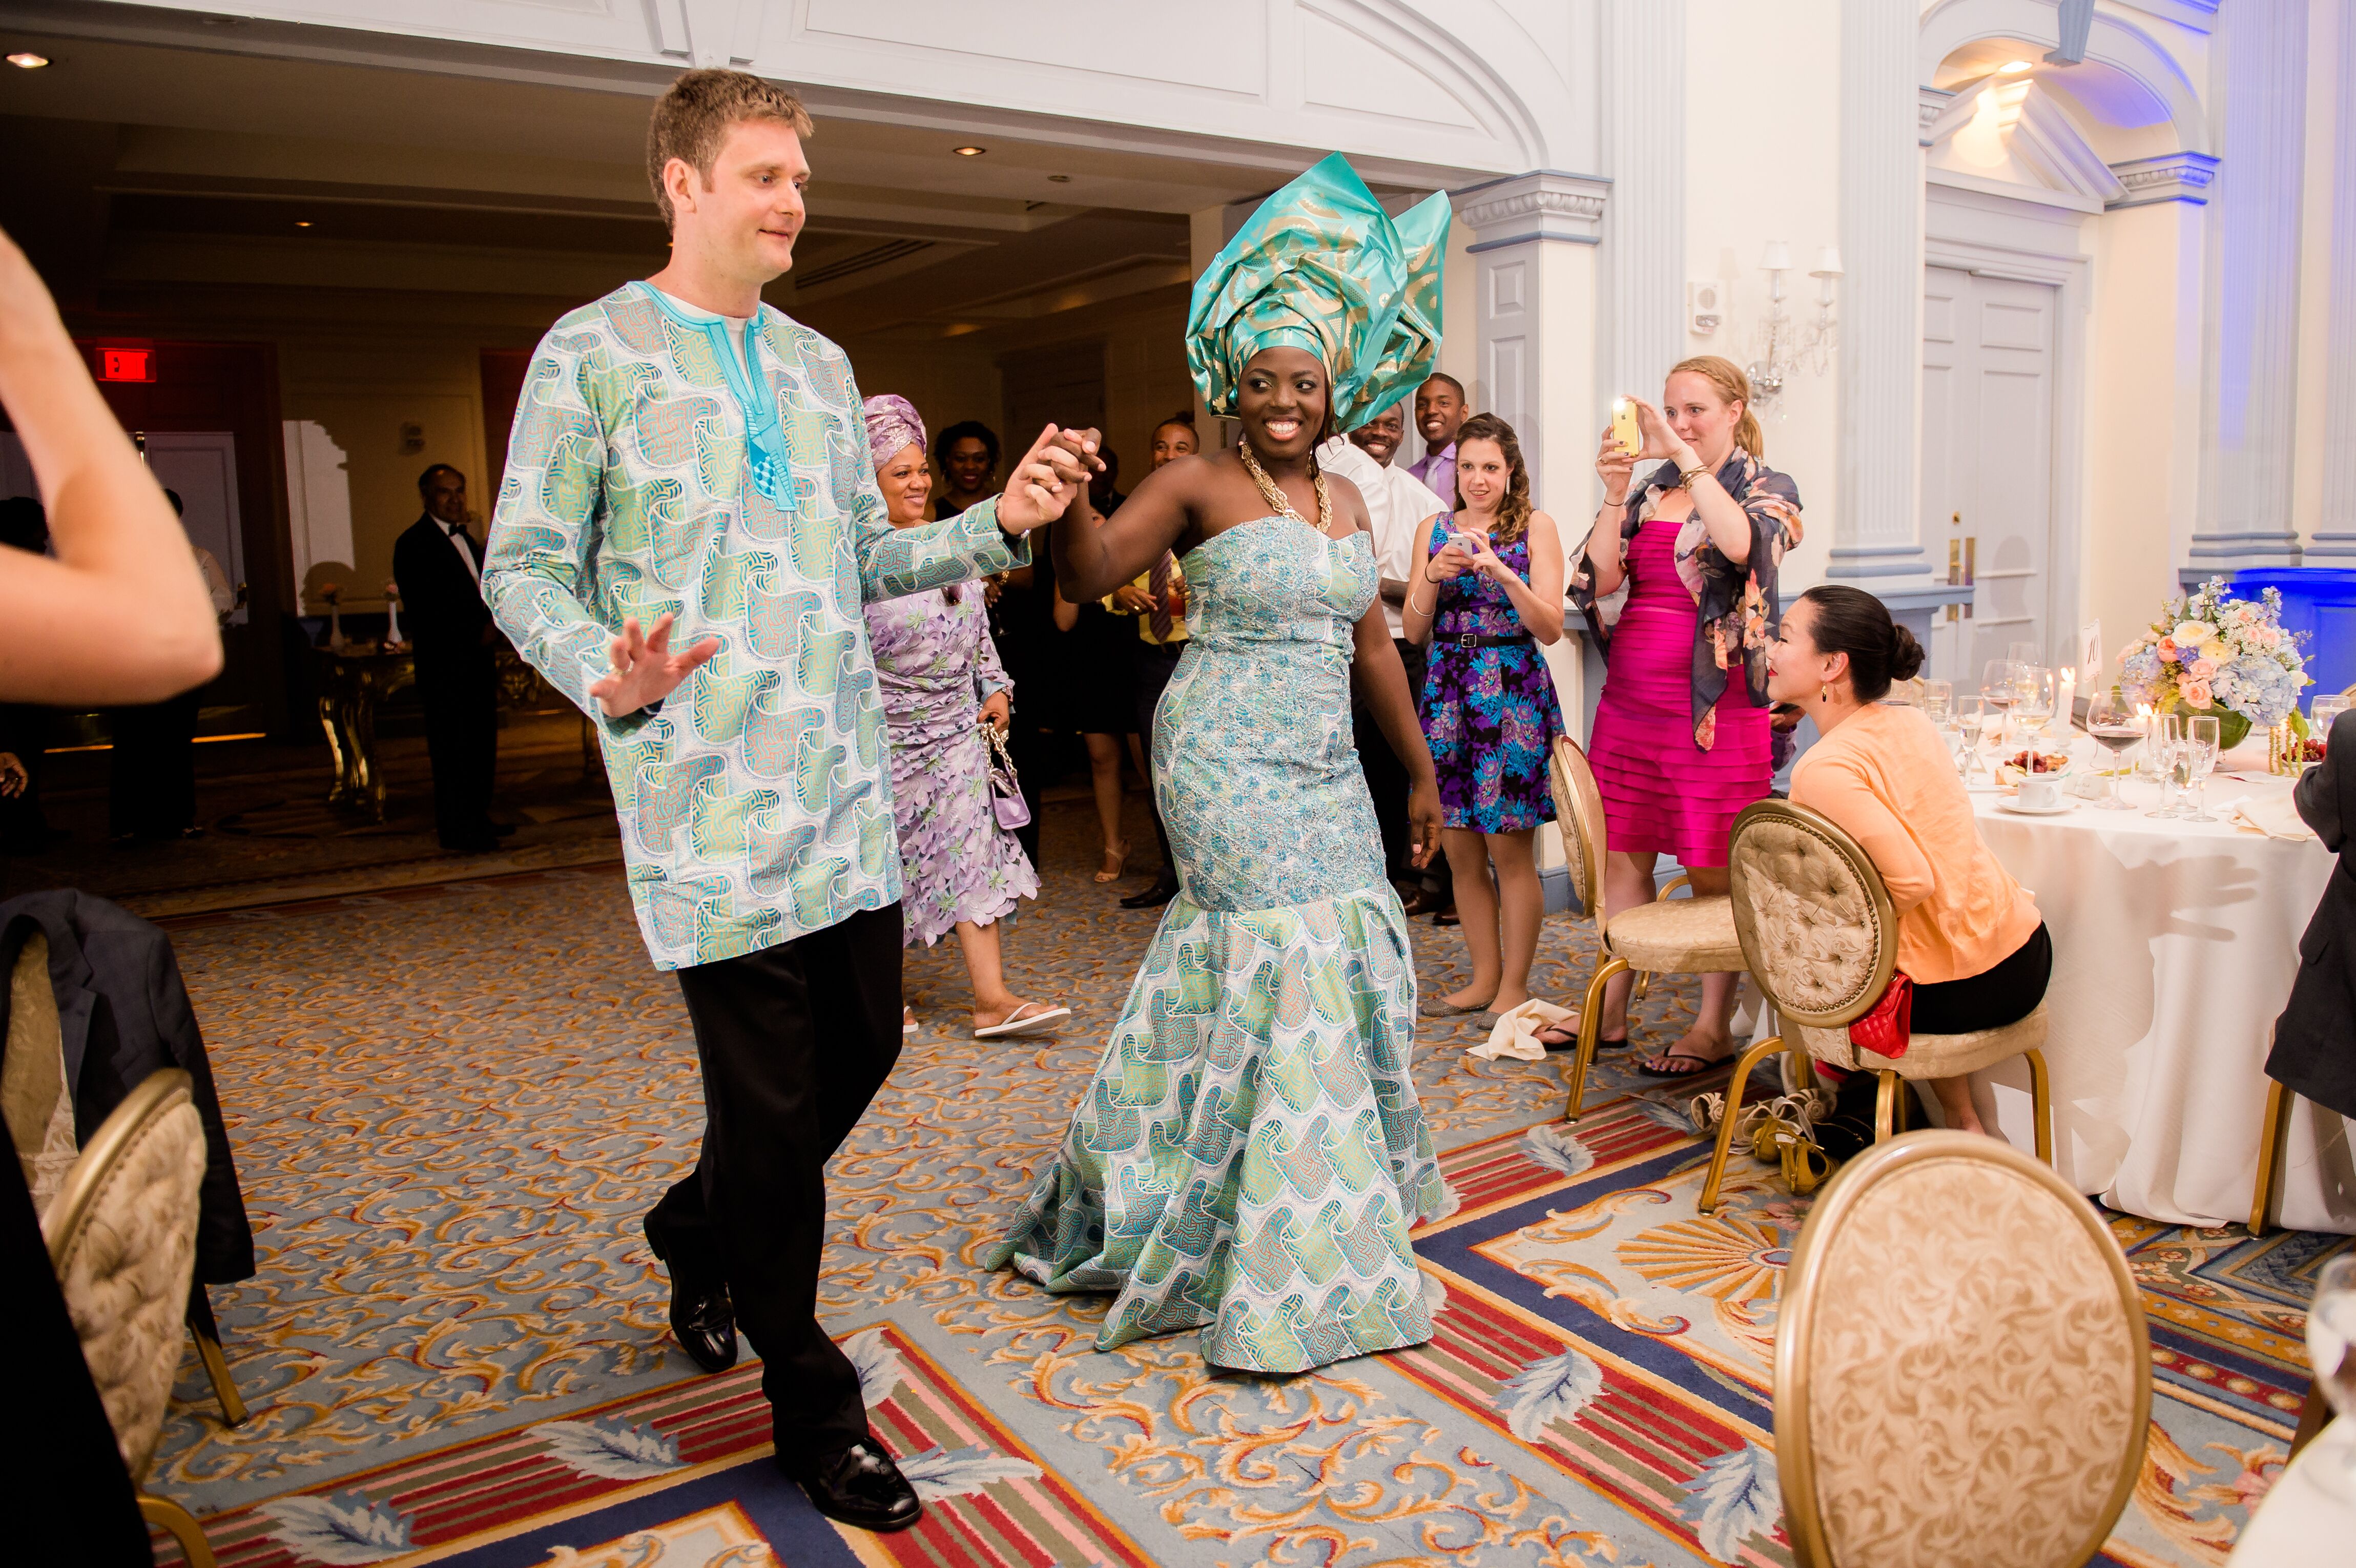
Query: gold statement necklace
x=1276 y=498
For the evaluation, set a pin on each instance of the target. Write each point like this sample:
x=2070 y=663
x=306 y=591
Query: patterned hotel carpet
x=451 y=1103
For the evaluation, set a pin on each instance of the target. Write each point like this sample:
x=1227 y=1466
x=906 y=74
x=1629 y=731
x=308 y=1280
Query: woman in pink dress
x=1677 y=583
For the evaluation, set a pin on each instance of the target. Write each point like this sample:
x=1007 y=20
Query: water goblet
x=1939 y=700
x=2112 y=721
x=2200 y=738
x=2319 y=727
x=2028 y=653
x=2000 y=689
x=2033 y=700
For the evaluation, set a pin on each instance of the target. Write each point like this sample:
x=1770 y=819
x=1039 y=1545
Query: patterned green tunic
x=651 y=470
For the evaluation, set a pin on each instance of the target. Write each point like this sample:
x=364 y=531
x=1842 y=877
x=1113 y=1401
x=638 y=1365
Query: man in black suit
x=439 y=566
x=2315 y=1044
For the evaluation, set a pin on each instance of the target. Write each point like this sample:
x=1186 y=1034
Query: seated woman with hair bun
x=1968 y=935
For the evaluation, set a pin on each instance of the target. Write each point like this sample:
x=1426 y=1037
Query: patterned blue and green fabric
x=1320 y=266
x=664 y=460
x=1250 y=1153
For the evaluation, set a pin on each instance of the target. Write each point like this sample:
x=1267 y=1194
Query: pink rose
x=2167 y=648
x=2196 y=693
x=2204 y=669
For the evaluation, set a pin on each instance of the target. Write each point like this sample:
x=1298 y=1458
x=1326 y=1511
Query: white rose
x=2192 y=633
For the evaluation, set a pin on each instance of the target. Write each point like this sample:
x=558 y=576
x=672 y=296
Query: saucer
x=2056 y=809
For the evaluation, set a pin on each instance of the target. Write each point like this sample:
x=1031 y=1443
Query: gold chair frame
x=1578 y=814
x=157 y=1093
x=1887 y=1112
x=1803 y=1299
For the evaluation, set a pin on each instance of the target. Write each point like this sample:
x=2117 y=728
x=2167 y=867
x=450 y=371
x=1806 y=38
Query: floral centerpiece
x=2213 y=653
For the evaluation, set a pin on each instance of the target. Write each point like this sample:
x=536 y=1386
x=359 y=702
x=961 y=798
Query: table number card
x=2089 y=655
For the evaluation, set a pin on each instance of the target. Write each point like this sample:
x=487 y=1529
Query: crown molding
x=2171 y=177
x=1544 y=204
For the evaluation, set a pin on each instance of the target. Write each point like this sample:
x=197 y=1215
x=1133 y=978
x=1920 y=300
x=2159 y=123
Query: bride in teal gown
x=1250 y=1155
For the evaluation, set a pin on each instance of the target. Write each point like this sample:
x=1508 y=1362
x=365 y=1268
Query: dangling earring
x=1825 y=692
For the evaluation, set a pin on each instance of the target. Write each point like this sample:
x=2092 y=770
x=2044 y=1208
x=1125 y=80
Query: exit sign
x=126 y=364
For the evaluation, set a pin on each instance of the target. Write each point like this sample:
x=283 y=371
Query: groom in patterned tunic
x=687 y=527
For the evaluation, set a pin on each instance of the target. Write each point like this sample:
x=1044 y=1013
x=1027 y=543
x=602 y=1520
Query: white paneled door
x=1987 y=462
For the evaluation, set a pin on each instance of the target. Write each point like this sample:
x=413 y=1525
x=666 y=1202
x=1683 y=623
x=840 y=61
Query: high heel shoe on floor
x=1120 y=858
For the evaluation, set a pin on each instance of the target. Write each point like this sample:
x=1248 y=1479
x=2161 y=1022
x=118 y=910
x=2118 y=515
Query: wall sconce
x=1784 y=348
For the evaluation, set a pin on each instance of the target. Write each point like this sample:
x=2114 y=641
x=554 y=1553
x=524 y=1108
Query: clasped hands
x=647 y=669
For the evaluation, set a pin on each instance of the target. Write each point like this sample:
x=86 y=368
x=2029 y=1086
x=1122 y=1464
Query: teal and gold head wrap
x=1321 y=266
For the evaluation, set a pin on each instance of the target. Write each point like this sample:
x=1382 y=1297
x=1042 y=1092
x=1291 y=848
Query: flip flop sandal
x=1702 y=1065
x=1441 y=1007
x=909 y=1026
x=1022 y=1021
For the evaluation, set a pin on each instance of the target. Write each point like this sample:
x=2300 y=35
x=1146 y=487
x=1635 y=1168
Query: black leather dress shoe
x=859 y=1486
x=702 y=1318
x=1165 y=889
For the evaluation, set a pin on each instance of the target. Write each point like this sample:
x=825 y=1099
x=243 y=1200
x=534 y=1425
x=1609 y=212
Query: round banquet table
x=2174 y=948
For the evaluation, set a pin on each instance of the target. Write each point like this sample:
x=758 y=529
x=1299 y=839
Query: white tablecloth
x=2302 y=1522
x=2174 y=948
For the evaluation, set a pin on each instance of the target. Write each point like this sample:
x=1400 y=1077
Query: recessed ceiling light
x=2015 y=67
x=26 y=60
x=1059 y=179
x=301 y=222
x=969 y=152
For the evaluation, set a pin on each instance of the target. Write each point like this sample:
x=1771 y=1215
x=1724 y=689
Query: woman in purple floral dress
x=942 y=683
x=1486 y=593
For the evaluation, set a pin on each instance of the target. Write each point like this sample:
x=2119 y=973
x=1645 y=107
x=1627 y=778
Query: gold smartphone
x=1623 y=427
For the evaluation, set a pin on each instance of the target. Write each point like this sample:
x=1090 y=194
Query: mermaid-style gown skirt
x=1249 y=1155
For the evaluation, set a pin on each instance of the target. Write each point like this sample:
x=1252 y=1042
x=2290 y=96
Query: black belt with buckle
x=1467 y=639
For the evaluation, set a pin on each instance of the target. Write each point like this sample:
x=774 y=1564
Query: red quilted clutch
x=1884 y=1031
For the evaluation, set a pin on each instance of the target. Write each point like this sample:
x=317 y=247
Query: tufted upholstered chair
x=1821 y=935
x=123 y=1238
x=1962 y=1372
x=1683 y=936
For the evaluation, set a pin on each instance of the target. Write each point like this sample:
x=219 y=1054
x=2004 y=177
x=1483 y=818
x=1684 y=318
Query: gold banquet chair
x=1682 y=936
x=1821 y=937
x=1946 y=1288
x=123 y=1238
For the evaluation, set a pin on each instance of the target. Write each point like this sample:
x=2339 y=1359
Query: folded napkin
x=2277 y=816
x=1516 y=1034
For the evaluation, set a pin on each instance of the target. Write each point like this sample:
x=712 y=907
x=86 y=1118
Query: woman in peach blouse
x=1968 y=935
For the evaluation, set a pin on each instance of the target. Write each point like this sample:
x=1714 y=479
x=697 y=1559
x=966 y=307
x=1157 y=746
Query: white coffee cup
x=2040 y=791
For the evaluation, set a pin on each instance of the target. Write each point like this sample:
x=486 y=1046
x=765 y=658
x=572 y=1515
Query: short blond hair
x=694 y=117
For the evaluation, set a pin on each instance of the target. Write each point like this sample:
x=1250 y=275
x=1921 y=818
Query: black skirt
x=1991 y=999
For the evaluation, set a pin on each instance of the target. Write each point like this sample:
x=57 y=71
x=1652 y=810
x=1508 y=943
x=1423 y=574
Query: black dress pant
x=459 y=689
x=1386 y=782
x=794 y=1041
x=151 y=786
x=1156 y=663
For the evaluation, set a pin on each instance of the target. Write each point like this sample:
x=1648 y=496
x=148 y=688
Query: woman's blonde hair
x=1732 y=385
x=1513 y=506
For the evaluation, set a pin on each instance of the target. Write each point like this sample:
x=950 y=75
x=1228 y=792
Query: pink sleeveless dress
x=1661 y=792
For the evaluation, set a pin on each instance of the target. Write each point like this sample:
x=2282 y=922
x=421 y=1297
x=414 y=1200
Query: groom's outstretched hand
x=645 y=668
x=1048 y=476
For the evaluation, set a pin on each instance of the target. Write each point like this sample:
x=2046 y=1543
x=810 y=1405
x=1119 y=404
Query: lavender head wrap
x=891 y=424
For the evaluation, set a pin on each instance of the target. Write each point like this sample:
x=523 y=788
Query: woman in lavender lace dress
x=942 y=683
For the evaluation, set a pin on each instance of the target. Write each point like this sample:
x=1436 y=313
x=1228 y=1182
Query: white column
x=2247 y=430
x=1643 y=79
x=2334 y=541
x=1534 y=243
x=1877 y=529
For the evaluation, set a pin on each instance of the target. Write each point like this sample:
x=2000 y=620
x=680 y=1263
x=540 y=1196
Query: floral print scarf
x=1736 y=603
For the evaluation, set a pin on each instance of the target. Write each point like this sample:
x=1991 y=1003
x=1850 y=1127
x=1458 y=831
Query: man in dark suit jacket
x=2315 y=1039
x=439 y=565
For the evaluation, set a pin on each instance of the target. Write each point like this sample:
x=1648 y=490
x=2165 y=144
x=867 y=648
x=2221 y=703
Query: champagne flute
x=2332 y=1351
x=1971 y=717
x=2166 y=741
x=1939 y=700
x=2111 y=720
x=2034 y=701
x=2201 y=738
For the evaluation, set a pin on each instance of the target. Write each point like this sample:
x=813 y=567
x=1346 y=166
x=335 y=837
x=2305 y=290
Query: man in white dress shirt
x=1401 y=510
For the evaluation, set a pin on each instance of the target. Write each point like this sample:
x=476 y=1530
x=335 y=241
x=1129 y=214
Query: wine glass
x=2024 y=653
x=2201 y=738
x=2033 y=699
x=2332 y=1351
x=2167 y=743
x=2319 y=727
x=1939 y=700
x=2000 y=689
x=2111 y=720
